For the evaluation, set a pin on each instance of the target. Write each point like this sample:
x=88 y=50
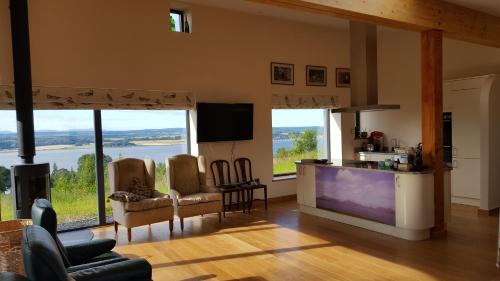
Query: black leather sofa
x=43 y=262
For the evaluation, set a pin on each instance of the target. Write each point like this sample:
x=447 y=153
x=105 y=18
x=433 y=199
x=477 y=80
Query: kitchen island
x=395 y=203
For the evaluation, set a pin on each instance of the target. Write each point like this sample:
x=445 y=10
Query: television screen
x=224 y=122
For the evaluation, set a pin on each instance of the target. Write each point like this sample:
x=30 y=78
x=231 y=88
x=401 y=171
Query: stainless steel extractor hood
x=364 y=88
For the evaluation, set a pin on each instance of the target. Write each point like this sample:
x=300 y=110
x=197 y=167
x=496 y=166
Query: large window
x=65 y=139
x=298 y=134
x=143 y=134
x=8 y=157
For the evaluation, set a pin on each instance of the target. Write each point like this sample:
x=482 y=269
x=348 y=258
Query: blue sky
x=62 y=120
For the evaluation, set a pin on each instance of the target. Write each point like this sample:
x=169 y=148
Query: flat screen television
x=224 y=122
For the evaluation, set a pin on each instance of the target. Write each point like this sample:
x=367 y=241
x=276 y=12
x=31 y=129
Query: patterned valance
x=283 y=101
x=92 y=98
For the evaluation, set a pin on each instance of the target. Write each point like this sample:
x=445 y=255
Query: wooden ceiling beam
x=455 y=21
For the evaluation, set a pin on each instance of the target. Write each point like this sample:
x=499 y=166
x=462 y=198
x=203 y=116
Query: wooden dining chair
x=243 y=170
x=221 y=171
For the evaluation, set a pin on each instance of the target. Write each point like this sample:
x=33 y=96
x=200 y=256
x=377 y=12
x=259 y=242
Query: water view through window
x=147 y=134
x=297 y=134
x=65 y=139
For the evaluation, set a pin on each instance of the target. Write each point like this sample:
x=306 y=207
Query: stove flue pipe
x=22 y=79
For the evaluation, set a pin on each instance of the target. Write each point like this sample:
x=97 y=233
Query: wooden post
x=432 y=119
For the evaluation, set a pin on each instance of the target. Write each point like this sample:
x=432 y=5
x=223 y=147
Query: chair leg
x=244 y=202
x=220 y=217
x=182 y=224
x=230 y=200
x=129 y=234
x=265 y=197
x=224 y=203
x=238 y=201
x=249 y=199
x=116 y=227
x=171 y=225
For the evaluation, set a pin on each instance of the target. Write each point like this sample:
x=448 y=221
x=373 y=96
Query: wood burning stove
x=29 y=182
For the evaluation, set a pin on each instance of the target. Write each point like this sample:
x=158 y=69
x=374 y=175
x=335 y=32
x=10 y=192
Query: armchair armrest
x=209 y=189
x=174 y=194
x=133 y=270
x=82 y=252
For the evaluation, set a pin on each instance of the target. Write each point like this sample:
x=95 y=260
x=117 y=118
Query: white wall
x=399 y=79
x=126 y=44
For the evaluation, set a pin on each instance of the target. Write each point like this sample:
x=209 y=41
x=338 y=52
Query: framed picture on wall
x=282 y=73
x=316 y=75
x=343 y=77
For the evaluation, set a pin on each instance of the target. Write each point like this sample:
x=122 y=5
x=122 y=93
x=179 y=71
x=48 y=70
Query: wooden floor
x=287 y=245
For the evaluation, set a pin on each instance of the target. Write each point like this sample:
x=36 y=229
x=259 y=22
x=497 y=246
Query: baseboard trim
x=283 y=198
x=492 y=212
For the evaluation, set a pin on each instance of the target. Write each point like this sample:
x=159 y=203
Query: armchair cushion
x=87 y=251
x=138 y=188
x=198 y=198
x=124 y=196
x=148 y=204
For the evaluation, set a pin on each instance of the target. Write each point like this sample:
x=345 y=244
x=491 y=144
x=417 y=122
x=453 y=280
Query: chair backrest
x=243 y=170
x=123 y=171
x=43 y=215
x=41 y=257
x=186 y=173
x=221 y=172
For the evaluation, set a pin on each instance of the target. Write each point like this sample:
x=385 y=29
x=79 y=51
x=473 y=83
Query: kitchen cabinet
x=306 y=187
x=466 y=122
x=473 y=104
x=466 y=180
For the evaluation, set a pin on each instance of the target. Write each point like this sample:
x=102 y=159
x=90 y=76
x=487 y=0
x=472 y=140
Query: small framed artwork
x=343 y=77
x=282 y=73
x=316 y=75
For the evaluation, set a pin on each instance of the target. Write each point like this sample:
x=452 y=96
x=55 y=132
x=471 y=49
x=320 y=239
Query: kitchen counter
x=367 y=165
x=358 y=193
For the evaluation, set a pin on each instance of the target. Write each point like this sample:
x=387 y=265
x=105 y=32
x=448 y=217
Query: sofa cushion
x=197 y=198
x=148 y=204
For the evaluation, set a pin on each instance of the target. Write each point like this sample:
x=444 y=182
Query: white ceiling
x=487 y=6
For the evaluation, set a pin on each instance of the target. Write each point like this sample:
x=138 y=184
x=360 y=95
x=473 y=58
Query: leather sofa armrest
x=81 y=252
x=129 y=270
x=94 y=264
x=209 y=189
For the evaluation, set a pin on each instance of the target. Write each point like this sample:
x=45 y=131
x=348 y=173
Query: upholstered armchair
x=159 y=208
x=192 y=197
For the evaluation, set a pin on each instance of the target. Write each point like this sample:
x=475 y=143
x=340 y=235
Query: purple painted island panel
x=360 y=193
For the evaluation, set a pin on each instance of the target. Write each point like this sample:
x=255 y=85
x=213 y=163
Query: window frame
x=182 y=15
x=326 y=120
